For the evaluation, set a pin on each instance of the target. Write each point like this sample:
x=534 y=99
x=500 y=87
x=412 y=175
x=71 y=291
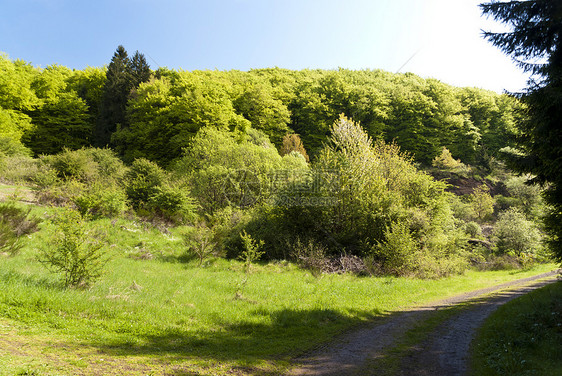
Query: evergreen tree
x=140 y=70
x=535 y=43
x=118 y=85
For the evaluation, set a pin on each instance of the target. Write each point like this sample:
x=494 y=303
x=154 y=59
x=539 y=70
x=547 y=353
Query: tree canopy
x=535 y=43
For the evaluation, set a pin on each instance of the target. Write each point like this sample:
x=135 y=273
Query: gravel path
x=445 y=350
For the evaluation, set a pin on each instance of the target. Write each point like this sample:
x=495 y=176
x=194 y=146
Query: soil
x=443 y=352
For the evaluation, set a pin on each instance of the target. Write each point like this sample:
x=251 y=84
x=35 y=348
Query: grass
x=523 y=337
x=155 y=316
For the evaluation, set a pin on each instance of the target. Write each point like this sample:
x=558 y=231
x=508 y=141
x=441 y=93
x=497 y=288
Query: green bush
x=172 y=203
x=199 y=243
x=481 y=202
x=75 y=251
x=473 y=229
x=515 y=234
x=364 y=198
x=399 y=251
x=73 y=164
x=101 y=199
x=18 y=169
x=142 y=181
x=15 y=222
x=10 y=147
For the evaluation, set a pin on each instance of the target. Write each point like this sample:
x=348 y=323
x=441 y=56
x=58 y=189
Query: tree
x=535 y=43
x=140 y=70
x=116 y=91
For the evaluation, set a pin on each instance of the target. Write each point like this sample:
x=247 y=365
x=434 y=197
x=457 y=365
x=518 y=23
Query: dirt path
x=443 y=352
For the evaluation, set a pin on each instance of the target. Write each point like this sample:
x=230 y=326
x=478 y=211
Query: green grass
x=523 y=337
x=162 y=314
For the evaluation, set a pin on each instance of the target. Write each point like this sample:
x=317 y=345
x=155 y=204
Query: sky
x=440 y=39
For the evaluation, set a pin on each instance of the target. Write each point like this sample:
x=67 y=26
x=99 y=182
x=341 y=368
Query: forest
x=337 y=170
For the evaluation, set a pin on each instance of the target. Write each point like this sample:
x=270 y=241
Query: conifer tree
x=116 y=91
x=140 y=70
x=535 y=43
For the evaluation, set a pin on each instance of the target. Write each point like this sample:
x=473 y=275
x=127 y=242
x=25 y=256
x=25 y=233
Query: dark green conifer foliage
x=116 y=91
x=140 y=70
x=535 y=43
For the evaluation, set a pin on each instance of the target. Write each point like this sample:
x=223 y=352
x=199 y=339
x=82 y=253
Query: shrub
x=252 y=250
x=199 y=243
x=73 y=164
x=142 y=181
x=10 y=147
x=18 y=168
x=172 y=203
x=398 y=252
x=75 y=252
x=514 y=233
x=15 y=222
x=473 y=229
x=446 y=161
x=101 y=199
x=293 y=143
x=481 y=202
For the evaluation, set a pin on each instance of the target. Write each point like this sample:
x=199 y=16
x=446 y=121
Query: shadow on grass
x=287 y=334
x=13 y=276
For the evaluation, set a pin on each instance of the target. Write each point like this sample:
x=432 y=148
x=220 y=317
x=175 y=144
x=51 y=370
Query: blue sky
x=443 y=36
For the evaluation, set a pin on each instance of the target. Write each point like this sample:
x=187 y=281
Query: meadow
x=155 y=309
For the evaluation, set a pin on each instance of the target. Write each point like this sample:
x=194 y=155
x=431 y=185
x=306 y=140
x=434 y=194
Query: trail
x=443 y=352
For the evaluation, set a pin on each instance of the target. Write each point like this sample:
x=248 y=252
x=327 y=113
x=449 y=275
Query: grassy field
x=155 y=313
x=523 y=337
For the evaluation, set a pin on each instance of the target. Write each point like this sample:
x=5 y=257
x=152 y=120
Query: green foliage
x=356 y=193
x=398 y=250
x=292 y=143
x=252 y=250
x=142 y=181
x=164 y=115
x=516 y=234
x=172 y=203
x=522 y=337
x=445 y=160
x=526 y=197
x=73 y=164
x=10 y=147
x=533 y=42
x=101 y=199
x=113 y=103
x=481 y=202
x=15 y=222
x=473 y=229
x=75 y=251
x=149 y=189
x=199 y=243
x=228 y=171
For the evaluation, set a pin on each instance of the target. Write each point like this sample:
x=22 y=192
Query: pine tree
x=116 y=91
x=140 y=69
x=535 y=43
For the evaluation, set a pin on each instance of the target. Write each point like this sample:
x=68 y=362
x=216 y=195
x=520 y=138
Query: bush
x=473 y=229
x=515 y=234
x=199 y=243
x=251 y=251
x=75 y=252
x=18 y=169
x=399 y=251
x=73 y=164
x=15 y=222
x=101 y=199
x=142 y=181
x=481 y=202
x=172 y=203
x=10 y=147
